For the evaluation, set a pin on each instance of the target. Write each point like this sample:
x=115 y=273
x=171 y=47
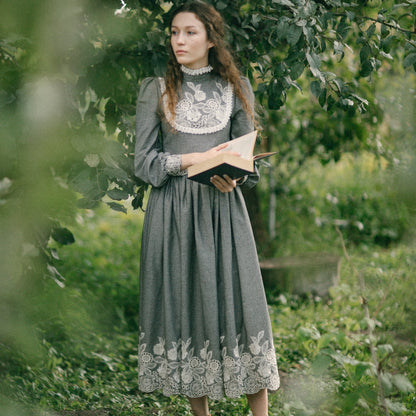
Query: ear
x=210 y=45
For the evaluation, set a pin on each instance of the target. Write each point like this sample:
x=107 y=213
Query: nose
x=180 y=38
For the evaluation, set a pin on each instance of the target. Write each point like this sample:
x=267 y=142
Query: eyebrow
x=186 y=27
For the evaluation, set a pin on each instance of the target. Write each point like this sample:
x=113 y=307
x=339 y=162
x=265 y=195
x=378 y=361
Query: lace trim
x=199 y=71
x=195 y=114
x=179 y=369
x=172 y=165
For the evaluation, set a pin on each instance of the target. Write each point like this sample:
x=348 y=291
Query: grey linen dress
x=204 y=324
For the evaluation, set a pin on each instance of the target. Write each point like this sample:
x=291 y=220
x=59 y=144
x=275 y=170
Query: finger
x=230 y=181
x=221 y=146
x=222 y=184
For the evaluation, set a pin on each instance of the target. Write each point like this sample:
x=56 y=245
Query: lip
x=180 y=52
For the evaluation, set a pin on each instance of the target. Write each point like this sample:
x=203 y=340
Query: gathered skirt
x=204 y=327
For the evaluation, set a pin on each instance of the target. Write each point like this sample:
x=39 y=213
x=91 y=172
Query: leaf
x=366 y=69
x=314 y=65
x=402 y=383
x=370 y=31
x=396 y=408
x=316 y=88
x=56 y=276
x=385 y=349
x=365 y=53
x=349 y=402
x=293 y=34
x=321 y=364
x=221 y=5
x=339 y=49
x=87 y=203
x=360 y=369
x=62 y=236
x=409 y=60
x=137 y=202
x=117 y=194
x=296 y=70
x=92 y=160
x=308 y=333
x=386 y=383
x=284 y=3
x=387 y=43
x=117 y=207
x=322 y=97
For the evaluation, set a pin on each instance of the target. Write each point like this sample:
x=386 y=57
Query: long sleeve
x=241 y=123
x=151 y=163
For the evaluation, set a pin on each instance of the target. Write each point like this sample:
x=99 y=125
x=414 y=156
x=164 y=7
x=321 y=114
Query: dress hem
x=165 y=393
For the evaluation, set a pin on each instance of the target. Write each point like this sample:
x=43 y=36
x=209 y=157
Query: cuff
x=173 y=165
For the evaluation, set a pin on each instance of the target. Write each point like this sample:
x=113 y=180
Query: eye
x=173 y=32
x=190 y=32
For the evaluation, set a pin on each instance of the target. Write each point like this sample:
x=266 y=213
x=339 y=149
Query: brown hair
x=219 y=56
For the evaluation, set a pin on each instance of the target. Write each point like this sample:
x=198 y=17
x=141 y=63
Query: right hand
x=189 y=159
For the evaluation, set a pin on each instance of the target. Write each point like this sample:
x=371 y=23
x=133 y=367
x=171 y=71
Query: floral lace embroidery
x=179 y=369
x=172 y=164
x=198 y=114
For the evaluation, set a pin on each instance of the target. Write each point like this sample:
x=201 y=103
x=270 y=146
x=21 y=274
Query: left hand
x=224 y=184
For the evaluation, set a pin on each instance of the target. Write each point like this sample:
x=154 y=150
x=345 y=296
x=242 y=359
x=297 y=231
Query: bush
x=356 y=194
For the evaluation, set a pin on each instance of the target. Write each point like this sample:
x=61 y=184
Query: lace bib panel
x=201 y=111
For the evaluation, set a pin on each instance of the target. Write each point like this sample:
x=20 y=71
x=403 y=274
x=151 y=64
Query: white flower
x=255 y=348
x=193 y=115
x=183 y=106
x=194 y=363
x=159 y=349
x=145 y=358
x=229 y=362
x=246 y=359
x=271 y=356
x=264 y=370
x=200 y=95
x=214 y=366
x=186 y=376
x=173 y=354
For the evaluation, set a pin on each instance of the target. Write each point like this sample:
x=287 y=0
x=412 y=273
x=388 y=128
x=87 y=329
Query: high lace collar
x=199 y=71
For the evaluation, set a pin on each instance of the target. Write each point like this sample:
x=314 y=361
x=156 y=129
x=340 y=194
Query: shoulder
x=246 y=85
x=149 y=87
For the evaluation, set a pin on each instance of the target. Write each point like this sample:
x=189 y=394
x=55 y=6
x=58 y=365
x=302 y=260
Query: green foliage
x=357 y=194
x=87 y=358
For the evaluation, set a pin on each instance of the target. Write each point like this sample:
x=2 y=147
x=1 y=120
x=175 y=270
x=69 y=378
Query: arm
x=241 y=123
x=151 y=164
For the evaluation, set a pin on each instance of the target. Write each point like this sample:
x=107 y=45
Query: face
x=189 y=40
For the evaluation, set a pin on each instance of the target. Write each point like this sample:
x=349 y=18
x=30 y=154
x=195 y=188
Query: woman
x=204 y=326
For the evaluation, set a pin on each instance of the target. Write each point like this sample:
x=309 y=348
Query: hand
x=189 y=159
x=224 y=184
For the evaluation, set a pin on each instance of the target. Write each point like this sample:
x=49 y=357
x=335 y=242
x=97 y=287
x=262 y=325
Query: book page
x=243 y=145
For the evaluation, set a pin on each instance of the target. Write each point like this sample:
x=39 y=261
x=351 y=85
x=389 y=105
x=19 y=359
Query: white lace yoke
x=205 y=105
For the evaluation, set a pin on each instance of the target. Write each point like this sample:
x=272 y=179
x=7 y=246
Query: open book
x=232 y=165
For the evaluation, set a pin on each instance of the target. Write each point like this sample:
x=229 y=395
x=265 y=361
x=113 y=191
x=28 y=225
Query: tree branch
x=390 y=25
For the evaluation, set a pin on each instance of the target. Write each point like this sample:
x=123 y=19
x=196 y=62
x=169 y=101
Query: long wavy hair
x=219 y=57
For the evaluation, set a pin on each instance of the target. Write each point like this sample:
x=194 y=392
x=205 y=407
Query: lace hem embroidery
x=195 y=114
x=179 y=369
